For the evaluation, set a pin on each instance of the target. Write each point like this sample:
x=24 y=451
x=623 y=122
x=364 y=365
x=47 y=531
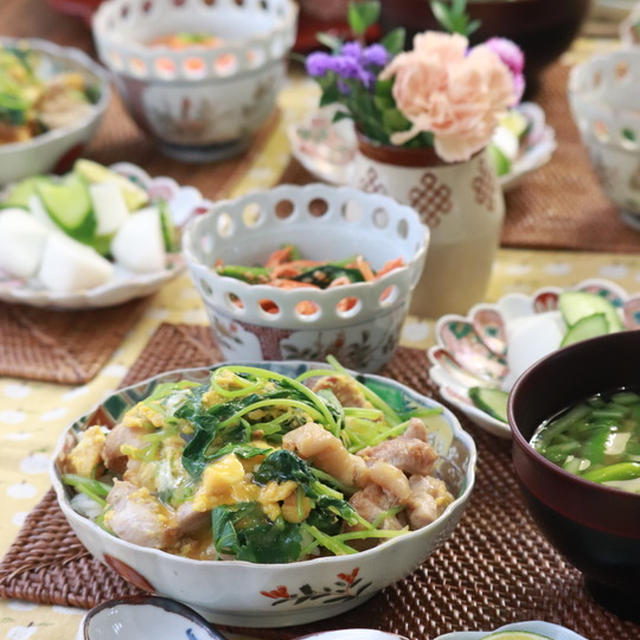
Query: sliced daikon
x=22 y=240
x=69 y=266
x=109 y=207
x=139 y=245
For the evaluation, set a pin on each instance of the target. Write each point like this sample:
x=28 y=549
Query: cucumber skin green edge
x=475 y=394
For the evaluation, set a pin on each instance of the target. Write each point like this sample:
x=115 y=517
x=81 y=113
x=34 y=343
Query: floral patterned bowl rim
x=78 y=59
x=471 y=350
x=547 y=629
x=184 y=202
x=173 y=576
x=328 y=150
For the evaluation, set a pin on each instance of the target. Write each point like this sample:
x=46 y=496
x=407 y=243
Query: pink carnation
x=454 y=94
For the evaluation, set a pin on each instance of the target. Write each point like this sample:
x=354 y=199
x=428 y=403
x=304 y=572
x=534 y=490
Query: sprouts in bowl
x=299 y=552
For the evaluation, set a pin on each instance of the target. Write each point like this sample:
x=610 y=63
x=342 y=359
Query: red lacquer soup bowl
x=595 y=527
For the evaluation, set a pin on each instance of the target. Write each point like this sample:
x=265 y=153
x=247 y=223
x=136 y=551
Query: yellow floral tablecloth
x=33 y=414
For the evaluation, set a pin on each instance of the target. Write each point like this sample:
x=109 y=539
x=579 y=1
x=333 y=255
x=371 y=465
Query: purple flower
x=352 y=50
x=319 y=63
x=343 y=88
x=519 y=85
x=375 y=54
x=509 y=52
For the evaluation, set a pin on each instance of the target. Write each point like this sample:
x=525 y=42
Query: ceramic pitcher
x=463 y=206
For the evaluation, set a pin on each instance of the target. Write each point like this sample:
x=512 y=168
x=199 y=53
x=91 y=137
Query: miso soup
x=597 y=439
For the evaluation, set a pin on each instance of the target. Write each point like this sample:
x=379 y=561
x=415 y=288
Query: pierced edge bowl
x=116 y=24
x=43 y=151
x=471 y=350
x=331 y=157
x=184 y=202
x=165 y=573
x=382 y=222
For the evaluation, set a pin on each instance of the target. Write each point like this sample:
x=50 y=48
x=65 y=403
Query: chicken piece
x=328 y=453
x=417 y=430
x=190 y=521
x=86 y=455
x=429 y=498
x=345 y=389
x=412 y=455
x=372 y=501
x=391 y=479
x=112 y=455
x=137 y=517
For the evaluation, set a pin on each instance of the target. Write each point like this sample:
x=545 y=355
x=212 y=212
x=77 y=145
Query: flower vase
x=463 y=206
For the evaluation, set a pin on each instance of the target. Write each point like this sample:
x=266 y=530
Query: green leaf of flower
x=393 y=42
x=393 y=120
x=341 y=115
x=329 y=40
x=330 y=94
x=361 y=15
x=442 y=15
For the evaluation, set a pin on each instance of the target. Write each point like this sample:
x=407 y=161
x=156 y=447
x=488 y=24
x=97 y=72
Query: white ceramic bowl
x=271 y=595
x=56 y=148
x=184 y=202
x=547 y=629
x=198 y=104
x=140 y=617
x=246 y=230
x=604 y=99
x=472 y=350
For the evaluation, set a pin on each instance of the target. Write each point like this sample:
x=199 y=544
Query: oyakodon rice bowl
x=258 y=460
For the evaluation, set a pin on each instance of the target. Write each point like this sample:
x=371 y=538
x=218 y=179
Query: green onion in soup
x=597 y=439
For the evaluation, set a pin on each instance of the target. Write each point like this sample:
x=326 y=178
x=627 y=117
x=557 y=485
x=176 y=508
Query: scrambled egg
x=87 y=454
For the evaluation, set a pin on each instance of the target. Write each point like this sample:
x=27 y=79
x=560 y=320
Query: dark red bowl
x=543 y=28
x=596 y=528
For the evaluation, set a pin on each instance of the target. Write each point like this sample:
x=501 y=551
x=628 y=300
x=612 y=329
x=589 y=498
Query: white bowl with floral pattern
x=198 y=103
x=183 y=203
x=472 y=350
x=249 y=594
x=325 y=223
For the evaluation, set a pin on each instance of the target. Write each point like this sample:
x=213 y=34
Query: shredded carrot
x=365 y=269
x=293 y=268
x=269 y=306
x=278 y=257
x=346 y=304
x=306 y=308
x=219 y=263
x=390 y=265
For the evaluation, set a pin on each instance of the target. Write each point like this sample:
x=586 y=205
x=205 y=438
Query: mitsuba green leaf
x=241 y=449
x=323 y=276
x=361 y=15
x=245 y=531
x=283 y=465
x=333 y=404
x=394 y=41
x=392 y=396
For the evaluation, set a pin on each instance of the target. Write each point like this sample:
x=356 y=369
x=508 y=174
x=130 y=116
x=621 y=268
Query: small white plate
x=183 y=202
x=327 y=150
x=552 y=631
x=472 y=350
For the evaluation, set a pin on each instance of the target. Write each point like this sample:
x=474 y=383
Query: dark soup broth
x=597 y=439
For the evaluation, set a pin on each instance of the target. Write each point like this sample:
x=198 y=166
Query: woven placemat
x=496 y=567
x=68 y=347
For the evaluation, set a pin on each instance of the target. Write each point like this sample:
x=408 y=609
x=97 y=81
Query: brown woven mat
x=495 y=569
x=68 y=347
